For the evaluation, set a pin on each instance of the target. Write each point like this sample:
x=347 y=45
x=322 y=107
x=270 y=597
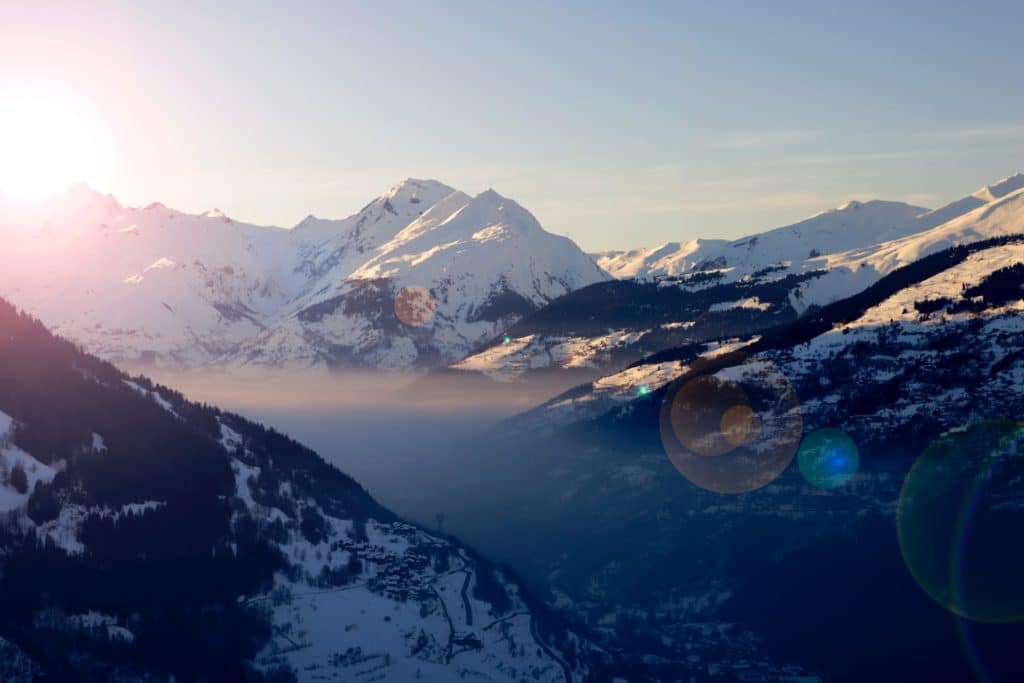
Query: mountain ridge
x=668 y=259
x=723 y=290
x=221 y=284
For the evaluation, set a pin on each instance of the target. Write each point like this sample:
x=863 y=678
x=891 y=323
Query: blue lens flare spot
x=506 y=339
x=828 y=458
x=643 y=390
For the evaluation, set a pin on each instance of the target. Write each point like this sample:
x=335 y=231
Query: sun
x=50 y=137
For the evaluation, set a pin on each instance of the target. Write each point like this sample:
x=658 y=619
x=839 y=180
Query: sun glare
x=50 y=137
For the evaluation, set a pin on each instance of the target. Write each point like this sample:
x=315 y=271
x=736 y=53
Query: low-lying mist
x=411 y=440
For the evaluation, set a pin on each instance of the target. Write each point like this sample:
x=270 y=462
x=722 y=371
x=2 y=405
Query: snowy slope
x=671 y=258
x=960 y=326
x=912 y=333
x=227 y=518
x=940 y=347
x=327 y=251
x=780 y=273
x=134 y=282
x=937 y=346
x=154 y=284
x=387 y=599
x=851 y=271
x=11 y=458
x=852 y=225
x=482 y=263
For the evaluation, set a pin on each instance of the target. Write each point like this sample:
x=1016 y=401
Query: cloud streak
x=761 y=139
x=1010 y=131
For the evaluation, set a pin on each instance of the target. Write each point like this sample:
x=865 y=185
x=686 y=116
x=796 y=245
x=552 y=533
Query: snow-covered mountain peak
x=436 y=246
x=961 y=206
x=83 y=199
x=147 y=283
x=860 y=213
x=379 y=221
x=1000 y=189
x=854 y=269
x=671 y=258
x=485 y=261
x=83 y=193
x=78 y=206
x=404 y=201
x=1001 y=216
x=417 y=191
x=854 y=225
x=667 y=248
x=491 y=209
x=433 y=217
x=851 y=225
x=490 y=196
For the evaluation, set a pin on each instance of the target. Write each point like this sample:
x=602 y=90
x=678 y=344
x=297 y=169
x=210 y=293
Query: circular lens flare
x=828 y=458
x=415 y=306
x=731 y=424
x=959 y=518
x=737 y=423
x=700 y=408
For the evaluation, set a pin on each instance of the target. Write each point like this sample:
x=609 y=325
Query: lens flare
x=737 y=424
x=959 y=518
x=415 y=306
x=700 y=407
x=828 y=458
x=732 y=424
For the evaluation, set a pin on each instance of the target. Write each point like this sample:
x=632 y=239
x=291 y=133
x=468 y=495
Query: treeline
x=631 y=304
x=849 y=309
x=173 y=573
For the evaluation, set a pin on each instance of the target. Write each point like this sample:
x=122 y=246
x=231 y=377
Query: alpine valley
x=912 y=346
x=898 y=326
x=147 y=538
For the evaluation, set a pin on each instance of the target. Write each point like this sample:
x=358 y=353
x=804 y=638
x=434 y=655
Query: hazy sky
x=618 y=124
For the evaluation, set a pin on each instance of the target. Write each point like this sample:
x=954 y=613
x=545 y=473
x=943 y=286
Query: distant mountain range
x=850 y=226
x=426 y=276
x=709 y=291
x=417 y=279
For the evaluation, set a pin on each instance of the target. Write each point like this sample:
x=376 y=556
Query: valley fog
x=413 y=442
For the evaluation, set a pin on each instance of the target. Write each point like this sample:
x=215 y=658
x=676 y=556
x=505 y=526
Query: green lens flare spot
x=828 y=458
x=959 y=518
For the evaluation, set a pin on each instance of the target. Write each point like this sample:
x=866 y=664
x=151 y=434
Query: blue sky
x=618 y=124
